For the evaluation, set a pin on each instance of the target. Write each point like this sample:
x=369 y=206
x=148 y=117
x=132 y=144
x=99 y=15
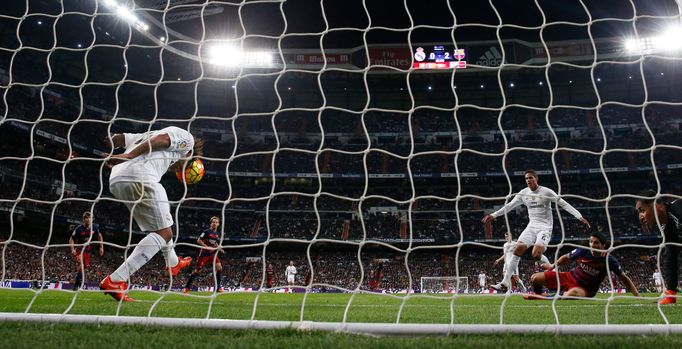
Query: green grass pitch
x=469 y=309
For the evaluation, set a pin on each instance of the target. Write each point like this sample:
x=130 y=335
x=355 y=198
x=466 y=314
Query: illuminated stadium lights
x=511 y=84
x=668 y=41
x=126 y=14
x=231 y=56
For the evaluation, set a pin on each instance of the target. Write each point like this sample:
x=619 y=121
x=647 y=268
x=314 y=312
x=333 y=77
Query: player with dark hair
x=538 y=233
x=134 y=179
x=668 y=218
x=79 y=241
x=210 y=241
x=584 y=279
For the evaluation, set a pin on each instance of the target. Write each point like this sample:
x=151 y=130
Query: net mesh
x=326 y=146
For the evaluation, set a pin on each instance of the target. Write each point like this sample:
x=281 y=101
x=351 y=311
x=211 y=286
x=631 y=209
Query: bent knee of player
x=537 y=252
x=520 y=249
x=538 y=278
x=166 y=233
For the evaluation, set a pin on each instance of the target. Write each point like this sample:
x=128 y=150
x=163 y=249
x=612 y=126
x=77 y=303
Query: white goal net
x=360 y=145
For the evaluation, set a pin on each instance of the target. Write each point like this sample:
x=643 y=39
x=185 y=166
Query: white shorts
x=152 y=212
x=658 y=282
x=290 y=279
x=481 y=284
x=536 y=236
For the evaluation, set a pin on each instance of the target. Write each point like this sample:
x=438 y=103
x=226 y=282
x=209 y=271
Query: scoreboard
x=439 y=57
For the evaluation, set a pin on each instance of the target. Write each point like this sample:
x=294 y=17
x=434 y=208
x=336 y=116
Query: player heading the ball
x=134 y=179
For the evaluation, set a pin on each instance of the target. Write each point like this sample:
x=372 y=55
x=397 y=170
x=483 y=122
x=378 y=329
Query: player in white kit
x=290 y=273
x=134 y=179
x=658 y=280
x=481 y=280
x=538 y=200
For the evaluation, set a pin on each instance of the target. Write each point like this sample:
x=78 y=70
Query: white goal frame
x=456 y=280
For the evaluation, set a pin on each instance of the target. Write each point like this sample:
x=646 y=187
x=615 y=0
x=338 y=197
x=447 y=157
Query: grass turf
x=321 y=307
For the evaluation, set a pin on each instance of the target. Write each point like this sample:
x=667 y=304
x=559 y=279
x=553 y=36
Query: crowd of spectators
x=50 y=167
x=331 y=270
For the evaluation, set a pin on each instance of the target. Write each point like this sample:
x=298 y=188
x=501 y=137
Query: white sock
x=513 y=263
x=523 y=287
x=544 y=259
x=143 y=252
x=169 y=253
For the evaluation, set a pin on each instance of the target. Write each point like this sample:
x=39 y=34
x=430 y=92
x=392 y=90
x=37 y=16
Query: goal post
x=444 y=284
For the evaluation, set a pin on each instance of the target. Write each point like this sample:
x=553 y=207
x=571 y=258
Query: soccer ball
x=194 y=171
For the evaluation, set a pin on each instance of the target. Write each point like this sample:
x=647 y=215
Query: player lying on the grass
x=79 y=241
x=584 y=279
x=210 y=240
x=538 y=233
x=134 y=179
x=669 y=215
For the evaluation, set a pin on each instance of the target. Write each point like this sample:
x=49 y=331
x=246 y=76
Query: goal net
x=444 y=284
x=359 y=145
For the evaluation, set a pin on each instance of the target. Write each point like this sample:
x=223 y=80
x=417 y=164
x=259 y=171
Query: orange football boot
x=668 y=300
x=115 y=289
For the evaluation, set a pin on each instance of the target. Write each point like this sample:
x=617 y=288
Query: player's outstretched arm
x=499 y=260
x=572 y=210
x=516 y=201
x=488 y=218
x=562 y=260
x=158 y=142
x=629 y=284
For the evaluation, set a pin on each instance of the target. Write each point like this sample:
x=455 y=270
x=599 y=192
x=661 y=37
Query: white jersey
x=481 y=279
x=658 y=278
x=150 y=167
x=539 y=204
x=291 y=271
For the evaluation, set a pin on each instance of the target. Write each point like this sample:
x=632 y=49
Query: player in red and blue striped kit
x=588 y=274
x=210 y=240
x=79 y=241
